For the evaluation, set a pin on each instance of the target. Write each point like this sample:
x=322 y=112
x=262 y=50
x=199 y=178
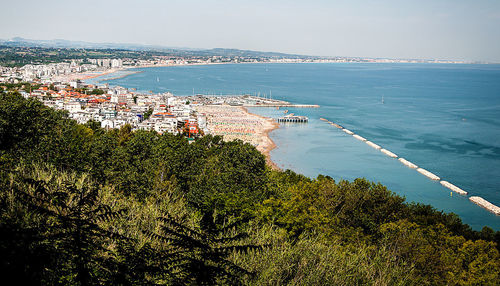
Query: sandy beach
x=235 y=122
x=85 y=75
x=89 y=75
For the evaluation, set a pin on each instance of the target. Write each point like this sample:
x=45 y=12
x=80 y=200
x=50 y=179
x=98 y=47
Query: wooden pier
x=294 y=119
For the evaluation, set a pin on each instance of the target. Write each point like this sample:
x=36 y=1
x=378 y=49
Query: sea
x=444 y=118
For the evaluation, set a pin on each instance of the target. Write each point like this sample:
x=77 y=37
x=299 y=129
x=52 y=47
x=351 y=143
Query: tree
x=97 y=91
x=66 y=214
x=148 y=113
x=200 y=255
x=441 y=257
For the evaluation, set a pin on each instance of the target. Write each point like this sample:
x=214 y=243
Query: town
x=58 y=85
x=65 y=85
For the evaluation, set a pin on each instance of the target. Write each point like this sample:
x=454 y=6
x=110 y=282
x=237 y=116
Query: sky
x=423 y=29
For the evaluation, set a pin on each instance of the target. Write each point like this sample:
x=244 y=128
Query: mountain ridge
x=69 y=44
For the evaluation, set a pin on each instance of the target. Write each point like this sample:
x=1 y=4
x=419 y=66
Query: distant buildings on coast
x=113 y=107
x=58 y=86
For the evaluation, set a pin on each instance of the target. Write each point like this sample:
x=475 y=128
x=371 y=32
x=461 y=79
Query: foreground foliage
x=80 y=205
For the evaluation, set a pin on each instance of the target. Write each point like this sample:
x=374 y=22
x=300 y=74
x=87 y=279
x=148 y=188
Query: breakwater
x=407 y=163
x=428 y=174
x=348 y=131
x=373 y=145
x=388 y=153
x=485 y=204
x=359 y=137
x=453 y=187
x=475 y=199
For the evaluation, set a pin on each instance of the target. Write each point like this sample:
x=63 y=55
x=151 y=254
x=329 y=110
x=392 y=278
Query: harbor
x=245 y=100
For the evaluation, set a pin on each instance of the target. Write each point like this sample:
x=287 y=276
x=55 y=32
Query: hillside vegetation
x=80 y=205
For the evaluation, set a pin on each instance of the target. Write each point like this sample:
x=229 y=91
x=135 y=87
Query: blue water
x=443 y=117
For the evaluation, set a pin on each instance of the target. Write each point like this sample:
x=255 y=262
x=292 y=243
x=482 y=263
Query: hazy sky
x=445 y=29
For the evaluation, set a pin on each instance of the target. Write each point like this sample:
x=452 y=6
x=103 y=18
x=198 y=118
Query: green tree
x=66 y=213
x=200 y=255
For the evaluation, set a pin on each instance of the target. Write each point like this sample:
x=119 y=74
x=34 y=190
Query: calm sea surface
x=444 y=118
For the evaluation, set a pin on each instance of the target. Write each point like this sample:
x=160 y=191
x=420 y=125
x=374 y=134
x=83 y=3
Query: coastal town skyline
x=385 y=29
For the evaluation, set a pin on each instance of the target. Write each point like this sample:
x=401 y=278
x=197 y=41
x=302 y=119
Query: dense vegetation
x=80 y=205
x=20 y=56
x=14 y=54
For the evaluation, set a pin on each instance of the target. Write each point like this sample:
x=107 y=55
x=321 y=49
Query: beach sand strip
x=236 y=122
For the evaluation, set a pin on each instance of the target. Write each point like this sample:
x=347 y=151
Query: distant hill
x=61 y=43
x=67 y=44
x=247 y=53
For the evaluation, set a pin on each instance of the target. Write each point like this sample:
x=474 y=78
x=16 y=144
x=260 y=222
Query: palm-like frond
x=201 y=255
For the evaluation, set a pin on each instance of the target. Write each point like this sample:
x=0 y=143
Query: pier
x=294 y=119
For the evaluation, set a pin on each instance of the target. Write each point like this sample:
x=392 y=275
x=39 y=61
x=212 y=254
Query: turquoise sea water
x=443 y=117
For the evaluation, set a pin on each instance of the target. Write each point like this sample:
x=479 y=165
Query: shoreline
x=91 y=75
x=110 y=71
x=101 y=74
x=87 y=75
x=271 y=145
x=176 y=65
x=117 y=77
x=265 y=148
x=237 y=123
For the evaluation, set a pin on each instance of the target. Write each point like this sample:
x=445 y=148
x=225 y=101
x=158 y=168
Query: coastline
x=120 y=76
x=271 y=145
x=265 y=145
x=102 y=73
x=77 y=75
x=237 y=123
x=396 y=182
x=86 y=75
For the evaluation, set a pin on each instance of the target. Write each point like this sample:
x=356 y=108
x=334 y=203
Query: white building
x=116 y=63
x=72 y=106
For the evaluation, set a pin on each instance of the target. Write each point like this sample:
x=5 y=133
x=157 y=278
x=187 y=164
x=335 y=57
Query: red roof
x=163 y=114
